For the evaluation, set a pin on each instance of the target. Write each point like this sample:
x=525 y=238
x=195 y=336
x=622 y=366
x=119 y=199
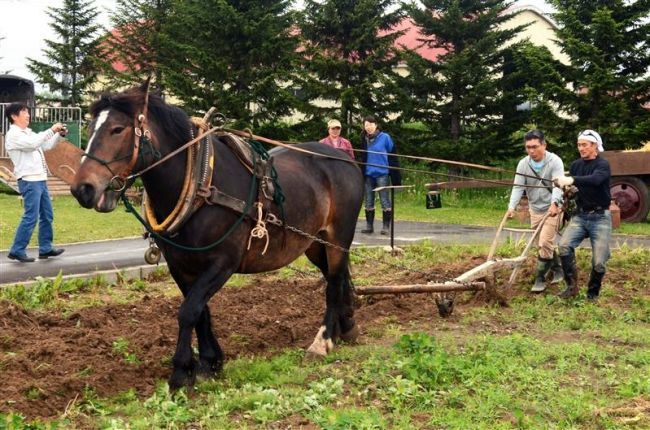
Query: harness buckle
x=268 y=188
x=272 y=219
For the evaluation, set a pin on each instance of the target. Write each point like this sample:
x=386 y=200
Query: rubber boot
x=385 y=229
x=570 y=276
x=370 y=221
x=556 y=269
x=543 y=266
x=593 y=288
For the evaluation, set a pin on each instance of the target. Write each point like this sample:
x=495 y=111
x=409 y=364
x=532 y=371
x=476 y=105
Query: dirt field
x=49 y=359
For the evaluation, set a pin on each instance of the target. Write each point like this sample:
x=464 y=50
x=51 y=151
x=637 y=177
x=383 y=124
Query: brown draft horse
x=323 y=199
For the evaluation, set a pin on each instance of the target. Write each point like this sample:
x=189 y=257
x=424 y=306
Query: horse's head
x=112 y=151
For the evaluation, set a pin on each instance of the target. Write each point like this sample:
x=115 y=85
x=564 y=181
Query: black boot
x=570 y=276
x=370 y=221
x=385 y=229
x=556 y=269
x=543 y=266
x=593 y=288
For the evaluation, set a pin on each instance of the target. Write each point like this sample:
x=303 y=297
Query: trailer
x=630 y=183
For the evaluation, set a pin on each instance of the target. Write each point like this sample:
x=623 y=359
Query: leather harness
x=198 y=189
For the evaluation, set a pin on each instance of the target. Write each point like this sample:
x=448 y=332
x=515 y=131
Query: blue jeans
x=370 y=185
x=598 y=228
x=38 y=207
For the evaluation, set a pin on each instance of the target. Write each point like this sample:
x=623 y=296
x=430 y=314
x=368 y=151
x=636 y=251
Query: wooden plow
x=480 y=278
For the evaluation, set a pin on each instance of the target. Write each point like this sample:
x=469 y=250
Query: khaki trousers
x=546 y=239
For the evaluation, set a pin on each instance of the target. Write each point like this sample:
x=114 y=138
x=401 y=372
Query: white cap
x=592 y=136
x=333 y=123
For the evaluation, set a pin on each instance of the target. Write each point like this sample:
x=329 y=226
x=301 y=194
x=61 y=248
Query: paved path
x=84 y=258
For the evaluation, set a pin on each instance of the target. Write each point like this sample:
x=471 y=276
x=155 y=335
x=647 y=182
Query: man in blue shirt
x=378 y=158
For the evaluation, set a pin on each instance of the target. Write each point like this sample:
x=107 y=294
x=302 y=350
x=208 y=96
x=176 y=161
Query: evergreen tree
x=71 y=66
x=349 y=57
x=608 y=43
x=531 y=85
x=461 y=88
x=236 y=55
x=134 y=47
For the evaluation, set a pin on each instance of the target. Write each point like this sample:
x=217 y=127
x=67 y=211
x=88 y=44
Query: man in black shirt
x=590 y=174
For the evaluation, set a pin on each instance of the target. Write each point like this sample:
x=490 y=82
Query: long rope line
x=292 y=147
x=442 y=161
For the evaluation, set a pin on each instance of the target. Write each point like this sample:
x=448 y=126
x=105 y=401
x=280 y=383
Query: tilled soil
x=49 y=359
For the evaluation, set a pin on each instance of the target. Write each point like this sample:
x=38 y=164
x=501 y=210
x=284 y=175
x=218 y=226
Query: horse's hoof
x=351 y=335
x=180 y=379
x=208 y=370
x=315 y=354
x=319 y=348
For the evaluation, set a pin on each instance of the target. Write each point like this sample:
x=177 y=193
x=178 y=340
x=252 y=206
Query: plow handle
x=493 y=248
x=515 y=271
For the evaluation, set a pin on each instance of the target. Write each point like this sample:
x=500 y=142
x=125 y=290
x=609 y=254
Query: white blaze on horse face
x=101 y=118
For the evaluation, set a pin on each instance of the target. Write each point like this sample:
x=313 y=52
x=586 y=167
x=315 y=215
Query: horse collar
x=198 y=179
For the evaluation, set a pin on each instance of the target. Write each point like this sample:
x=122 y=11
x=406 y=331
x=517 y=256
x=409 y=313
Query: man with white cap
x=591 y=175
x=334 y=138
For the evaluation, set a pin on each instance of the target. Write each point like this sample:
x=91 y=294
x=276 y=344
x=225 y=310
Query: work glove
x=563 y=181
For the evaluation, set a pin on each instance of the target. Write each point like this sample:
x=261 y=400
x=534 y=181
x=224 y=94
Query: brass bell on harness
x=434 y=200
x=152 y=254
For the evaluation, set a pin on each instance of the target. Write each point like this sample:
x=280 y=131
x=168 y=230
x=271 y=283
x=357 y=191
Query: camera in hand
x=63 y=131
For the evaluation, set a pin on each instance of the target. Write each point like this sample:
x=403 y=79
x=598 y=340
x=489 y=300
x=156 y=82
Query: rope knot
x=259 y=231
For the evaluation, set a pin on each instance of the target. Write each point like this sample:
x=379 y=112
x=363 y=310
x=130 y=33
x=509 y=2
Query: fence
x=42 y=118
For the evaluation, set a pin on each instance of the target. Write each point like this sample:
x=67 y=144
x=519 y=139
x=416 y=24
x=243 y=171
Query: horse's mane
x=173 y=119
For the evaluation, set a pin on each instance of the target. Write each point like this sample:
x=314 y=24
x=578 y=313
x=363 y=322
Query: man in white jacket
x=26 y=151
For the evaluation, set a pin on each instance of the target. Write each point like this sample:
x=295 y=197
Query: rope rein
x=292 y=147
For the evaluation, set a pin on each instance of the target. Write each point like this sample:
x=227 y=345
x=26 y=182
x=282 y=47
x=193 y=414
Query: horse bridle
x=141 y=135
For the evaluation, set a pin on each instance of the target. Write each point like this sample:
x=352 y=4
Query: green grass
x=420 y=380
x=72 y=223
x=541 y=363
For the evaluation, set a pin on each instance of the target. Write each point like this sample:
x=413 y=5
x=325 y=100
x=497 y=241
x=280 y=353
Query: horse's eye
x=117 y=130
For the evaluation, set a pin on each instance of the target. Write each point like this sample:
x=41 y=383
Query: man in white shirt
x=25 y=149
x=537 y=169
